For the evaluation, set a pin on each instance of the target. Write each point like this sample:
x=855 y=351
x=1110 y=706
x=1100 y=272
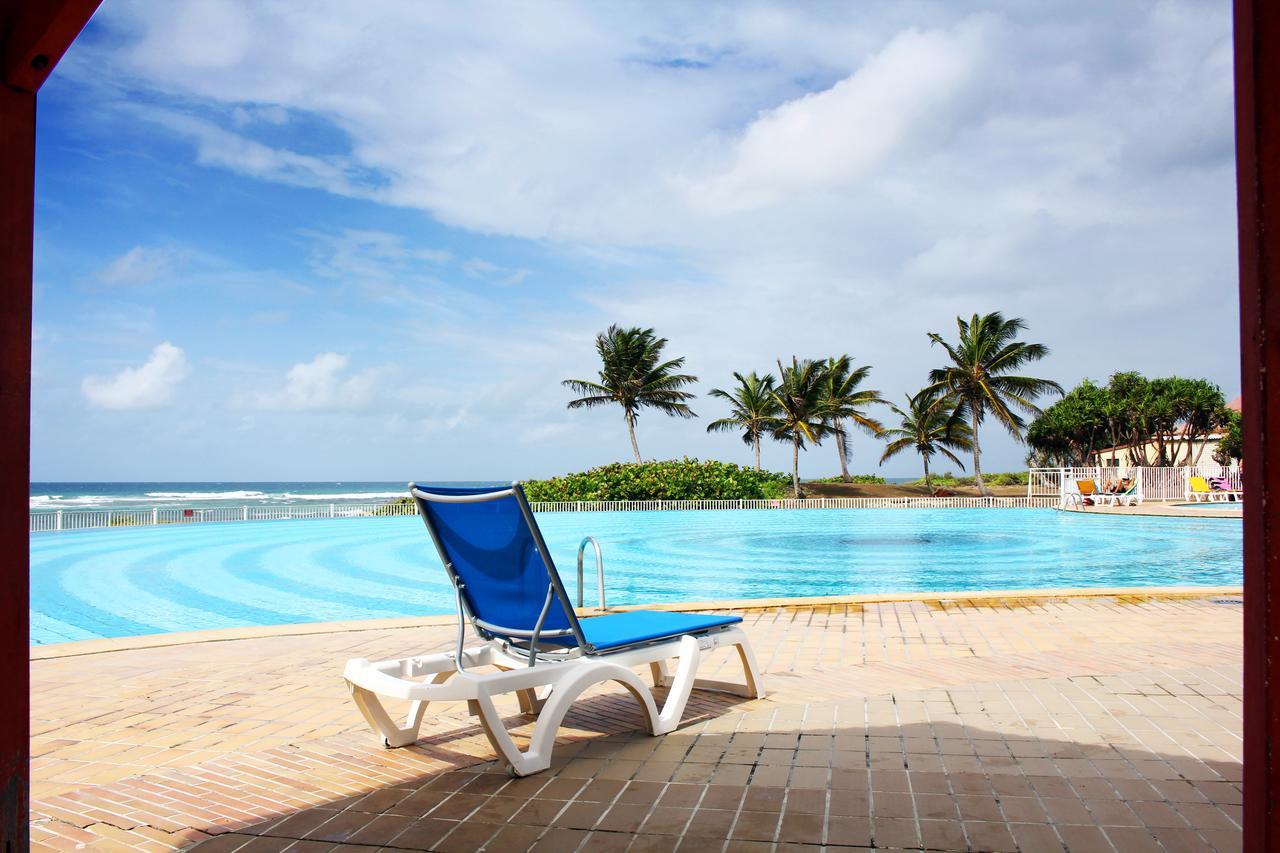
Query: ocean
x=208 y=495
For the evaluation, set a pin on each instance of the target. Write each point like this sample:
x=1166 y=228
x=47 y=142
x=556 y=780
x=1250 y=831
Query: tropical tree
x=802 y=415
x=929 y=426
x=845 y=402
x=1071 y=430
x=1162 y=421
x=980 y=376
x=634 y=376
x=1231 y=446
x=752 y=409
x=1199 y=409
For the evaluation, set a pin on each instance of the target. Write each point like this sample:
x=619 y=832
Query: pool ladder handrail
x=582 y=547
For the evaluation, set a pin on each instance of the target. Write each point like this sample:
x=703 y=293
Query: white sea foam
x=251 y=496
x=347 y=496
x=205 y=496
x=55 y=501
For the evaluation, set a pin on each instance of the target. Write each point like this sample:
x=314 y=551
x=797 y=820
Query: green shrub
x=393 y=507
x=1011 y=478
x=672 y=480
x=949 y=480
x=867 y=479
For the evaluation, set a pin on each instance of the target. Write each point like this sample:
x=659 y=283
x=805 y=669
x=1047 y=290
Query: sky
x=331 y=240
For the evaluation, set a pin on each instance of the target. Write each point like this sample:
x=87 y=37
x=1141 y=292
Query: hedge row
x=672 y=480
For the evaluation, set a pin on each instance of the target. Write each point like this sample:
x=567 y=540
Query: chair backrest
x=490 y=544
x=1198 y=484
x=1086 y=487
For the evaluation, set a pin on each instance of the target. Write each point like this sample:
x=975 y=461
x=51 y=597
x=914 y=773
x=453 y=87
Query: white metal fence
x=1156 y=484
x=81 y=519
x=52 y=520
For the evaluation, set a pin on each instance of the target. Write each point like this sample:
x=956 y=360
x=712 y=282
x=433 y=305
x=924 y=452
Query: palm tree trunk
x=795 y=466
x=756 y=437
x=977 y=455
x=842 y=452
x=928 y=481
x=631 y=429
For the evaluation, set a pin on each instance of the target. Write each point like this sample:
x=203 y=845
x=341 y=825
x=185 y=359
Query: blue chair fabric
x=492 y=549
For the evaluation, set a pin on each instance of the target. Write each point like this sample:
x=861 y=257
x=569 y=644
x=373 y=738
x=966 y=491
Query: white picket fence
x=53 y=520
x=1156 y=484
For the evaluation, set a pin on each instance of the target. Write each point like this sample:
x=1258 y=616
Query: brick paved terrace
x=1076 y=723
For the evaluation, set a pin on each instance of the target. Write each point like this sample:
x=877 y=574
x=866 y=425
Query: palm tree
x=845 y=401
x=753 y=409
x=634 y=376
x=929 y=426
x=979 y=379
x=802 y=414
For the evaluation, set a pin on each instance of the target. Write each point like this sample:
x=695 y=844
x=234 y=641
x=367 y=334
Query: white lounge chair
x=1083 y=489
x=506 y=585
x=1131 y=496
x=1198 y=490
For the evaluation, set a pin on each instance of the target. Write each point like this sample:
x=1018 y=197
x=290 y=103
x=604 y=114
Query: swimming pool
x=128 y=581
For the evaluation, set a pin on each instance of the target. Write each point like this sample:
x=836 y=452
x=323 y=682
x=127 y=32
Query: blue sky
x=366 y=241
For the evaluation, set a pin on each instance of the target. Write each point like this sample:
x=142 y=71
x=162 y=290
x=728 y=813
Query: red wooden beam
x=34 y=34
x=1257 y=64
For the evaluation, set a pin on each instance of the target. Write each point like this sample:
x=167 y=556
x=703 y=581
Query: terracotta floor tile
x=1099 y=710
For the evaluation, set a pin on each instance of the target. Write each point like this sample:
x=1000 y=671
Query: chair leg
x=750 y=670
x=530 y=703
x=753 y=688
x=538 y=756
x=681 y=685
x=661 y=676
x=375 y=714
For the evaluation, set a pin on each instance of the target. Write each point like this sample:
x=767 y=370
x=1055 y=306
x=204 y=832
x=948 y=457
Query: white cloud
x=320 y=385
x=902 y=98
x=139 y=265
x=218 y=147
x=496 y=273
x=365 y=256
x=143 y=387
x=751 y=179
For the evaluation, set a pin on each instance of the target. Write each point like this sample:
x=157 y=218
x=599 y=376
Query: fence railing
x=794 y=503
x=81 y=519
x=53 y=520
x=1155 y=484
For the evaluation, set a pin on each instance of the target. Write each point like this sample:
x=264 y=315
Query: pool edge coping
x=53 y=651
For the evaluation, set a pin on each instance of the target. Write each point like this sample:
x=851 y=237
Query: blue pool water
x=145 y=580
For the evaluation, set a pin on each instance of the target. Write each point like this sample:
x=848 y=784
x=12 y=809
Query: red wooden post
x=17 y=161
x=1257 y=50
x=35 y=34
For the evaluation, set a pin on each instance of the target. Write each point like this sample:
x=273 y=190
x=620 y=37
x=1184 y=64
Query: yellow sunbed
x=1198 y=490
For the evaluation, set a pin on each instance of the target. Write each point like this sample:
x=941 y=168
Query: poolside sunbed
x=506 y=585
x=1084 y=489
x=1199 y=491
x=1131 y=496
